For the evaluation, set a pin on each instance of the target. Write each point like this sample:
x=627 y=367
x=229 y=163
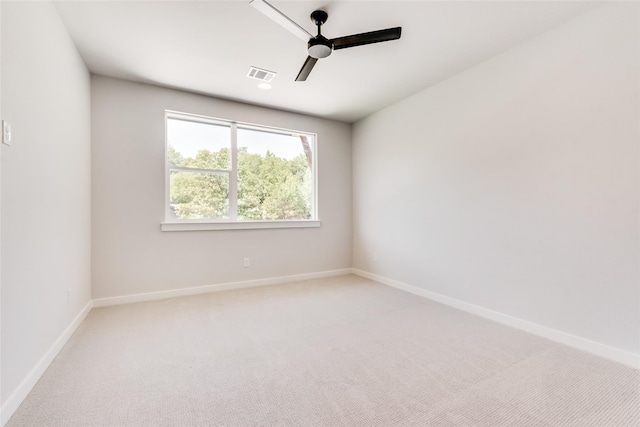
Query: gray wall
x=130 y=253
x=514 y=185
x=46 y=231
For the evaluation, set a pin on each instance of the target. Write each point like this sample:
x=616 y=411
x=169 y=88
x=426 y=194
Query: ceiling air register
x=260 y=74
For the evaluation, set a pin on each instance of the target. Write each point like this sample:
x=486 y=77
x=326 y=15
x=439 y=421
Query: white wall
x=514 y=185
x=46 y=238
x=130 y=253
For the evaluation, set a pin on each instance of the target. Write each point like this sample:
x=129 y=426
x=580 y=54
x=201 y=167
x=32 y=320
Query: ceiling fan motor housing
x=319 y=47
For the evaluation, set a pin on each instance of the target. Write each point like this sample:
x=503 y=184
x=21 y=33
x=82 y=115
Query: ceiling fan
x=320 y=46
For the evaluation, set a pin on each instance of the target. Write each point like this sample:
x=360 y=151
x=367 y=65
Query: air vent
x=260 y=74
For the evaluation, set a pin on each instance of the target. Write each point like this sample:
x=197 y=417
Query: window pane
x=198 y=145
x=275 y=180
x=196 y=195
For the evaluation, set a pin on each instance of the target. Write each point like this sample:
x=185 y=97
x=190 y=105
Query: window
x=222 y=174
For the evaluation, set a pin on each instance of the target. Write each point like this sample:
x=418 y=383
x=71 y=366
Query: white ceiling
x=207 y=46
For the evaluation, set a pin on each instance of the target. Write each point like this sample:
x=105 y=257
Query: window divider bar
x=186 y=169
x=233 y=176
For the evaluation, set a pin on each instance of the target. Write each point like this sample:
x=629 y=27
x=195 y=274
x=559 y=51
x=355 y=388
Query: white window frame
x=233 y=223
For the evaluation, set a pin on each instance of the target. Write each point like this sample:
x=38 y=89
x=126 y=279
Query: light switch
x=6 y=133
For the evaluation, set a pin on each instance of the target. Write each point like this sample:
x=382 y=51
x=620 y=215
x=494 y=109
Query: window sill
x=240 y=225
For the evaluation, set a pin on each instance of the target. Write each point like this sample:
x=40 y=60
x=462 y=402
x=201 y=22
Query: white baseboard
x=598 y=349
x=16 y=398
x=151 y=296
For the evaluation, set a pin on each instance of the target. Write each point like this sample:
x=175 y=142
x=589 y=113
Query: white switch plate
x=6 y=133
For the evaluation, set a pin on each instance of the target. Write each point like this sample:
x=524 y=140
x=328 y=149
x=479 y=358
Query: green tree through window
x=271 y=173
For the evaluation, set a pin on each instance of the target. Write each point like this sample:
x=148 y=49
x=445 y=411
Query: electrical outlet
x=6 y=133
x=247 y=263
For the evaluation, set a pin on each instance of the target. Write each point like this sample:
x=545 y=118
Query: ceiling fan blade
x=306 y=69
x=281 y=19
x=367 y=38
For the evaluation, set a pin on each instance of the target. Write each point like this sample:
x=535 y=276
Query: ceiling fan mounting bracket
x=319 y=17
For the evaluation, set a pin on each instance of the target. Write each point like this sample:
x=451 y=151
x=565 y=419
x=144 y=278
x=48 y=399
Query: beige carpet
x=344 y=351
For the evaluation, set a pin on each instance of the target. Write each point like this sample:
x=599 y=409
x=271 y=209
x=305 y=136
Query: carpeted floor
x=343 y=351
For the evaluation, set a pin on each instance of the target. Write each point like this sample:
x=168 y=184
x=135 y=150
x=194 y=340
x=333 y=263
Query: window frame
x=170 y=224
